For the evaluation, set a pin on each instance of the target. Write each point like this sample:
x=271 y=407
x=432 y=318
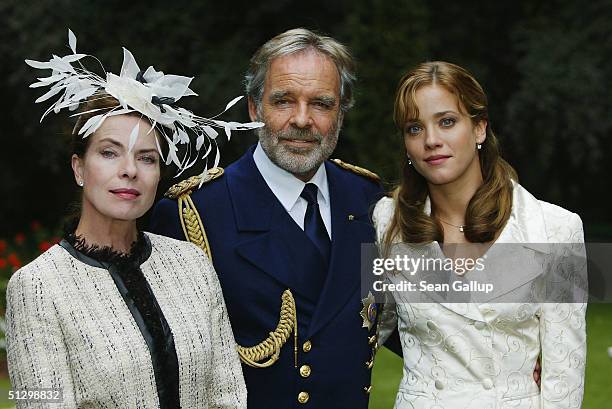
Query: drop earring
x=409 y=161
x=479 y=146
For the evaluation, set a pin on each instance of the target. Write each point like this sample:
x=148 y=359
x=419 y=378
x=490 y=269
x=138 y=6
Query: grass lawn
x=388 y=368
x=5 y=403
x=598 y=386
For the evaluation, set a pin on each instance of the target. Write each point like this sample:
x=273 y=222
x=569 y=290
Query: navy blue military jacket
x=258 y=252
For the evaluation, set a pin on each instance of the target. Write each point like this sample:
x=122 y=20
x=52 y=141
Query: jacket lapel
x=526 y=230
x=521 y=250
x=343 y=277
x=517 y=257
x=272 y=242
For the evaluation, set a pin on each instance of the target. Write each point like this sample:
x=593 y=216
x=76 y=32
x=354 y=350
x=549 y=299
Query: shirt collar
x=285 y=186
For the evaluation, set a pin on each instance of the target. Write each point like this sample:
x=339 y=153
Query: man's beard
x=298 y=160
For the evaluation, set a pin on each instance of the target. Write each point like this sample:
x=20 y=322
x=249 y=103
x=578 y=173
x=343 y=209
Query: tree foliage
x=558 y=118
x=543 y=65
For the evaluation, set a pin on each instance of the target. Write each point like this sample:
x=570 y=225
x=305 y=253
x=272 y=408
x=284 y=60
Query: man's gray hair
x=294 y=41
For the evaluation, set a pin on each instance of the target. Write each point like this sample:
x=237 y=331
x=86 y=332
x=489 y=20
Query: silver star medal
x=368 y=312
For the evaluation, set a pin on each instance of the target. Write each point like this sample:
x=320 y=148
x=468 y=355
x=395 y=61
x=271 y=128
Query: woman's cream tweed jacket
x=69 y=328
x=481 y=354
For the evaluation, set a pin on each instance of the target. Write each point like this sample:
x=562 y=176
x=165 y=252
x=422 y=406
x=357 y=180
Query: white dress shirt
x=287 y=189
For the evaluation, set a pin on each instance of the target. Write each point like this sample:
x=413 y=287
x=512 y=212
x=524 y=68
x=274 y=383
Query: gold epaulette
x=190 y=219
x=358 y=170
x=188 y=185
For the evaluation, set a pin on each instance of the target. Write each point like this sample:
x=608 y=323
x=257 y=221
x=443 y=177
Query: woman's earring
x=479 y=146
x=409 y=161
x=81 y=183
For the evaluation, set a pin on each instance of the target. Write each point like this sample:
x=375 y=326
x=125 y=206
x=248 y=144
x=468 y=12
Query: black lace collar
x=140 y=249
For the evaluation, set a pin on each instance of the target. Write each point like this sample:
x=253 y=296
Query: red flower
x=35 y=225
x=3 y=263
x=44 y=246
x=13 y=260
x=20 y=238
x=2 y=246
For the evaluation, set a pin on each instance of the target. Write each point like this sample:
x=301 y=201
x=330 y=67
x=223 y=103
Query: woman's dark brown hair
x=490 y=207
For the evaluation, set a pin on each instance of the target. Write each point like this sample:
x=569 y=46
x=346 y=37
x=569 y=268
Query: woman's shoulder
x=183 y=258
x=557 y=214
x=561 y=225
x=43 y=269
x=384 y=209
x=382 y=215
x=169 y=245
x=160 y=240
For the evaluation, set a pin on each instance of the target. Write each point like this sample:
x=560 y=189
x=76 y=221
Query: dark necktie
x=313 y=222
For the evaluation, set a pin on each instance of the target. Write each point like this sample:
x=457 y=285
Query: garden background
x=545 y=66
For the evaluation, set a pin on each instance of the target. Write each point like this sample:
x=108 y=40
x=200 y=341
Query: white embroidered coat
x=69 y=328
x=481 y=355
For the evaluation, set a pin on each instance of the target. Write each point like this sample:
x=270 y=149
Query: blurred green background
x=545 y=67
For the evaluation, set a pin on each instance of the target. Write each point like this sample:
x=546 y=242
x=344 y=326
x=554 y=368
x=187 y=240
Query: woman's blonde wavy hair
x=490 y=207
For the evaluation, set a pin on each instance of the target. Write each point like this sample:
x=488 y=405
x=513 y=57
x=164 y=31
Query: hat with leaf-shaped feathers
x=151 y=93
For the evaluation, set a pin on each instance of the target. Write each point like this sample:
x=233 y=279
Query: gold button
x=367 y=389
x=305 y=371
x=307 y=346
x=370 y=363
x=303 y=397
x=372 y=339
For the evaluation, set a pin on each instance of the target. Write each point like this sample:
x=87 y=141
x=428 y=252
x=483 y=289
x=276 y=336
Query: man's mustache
x=299 y=135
